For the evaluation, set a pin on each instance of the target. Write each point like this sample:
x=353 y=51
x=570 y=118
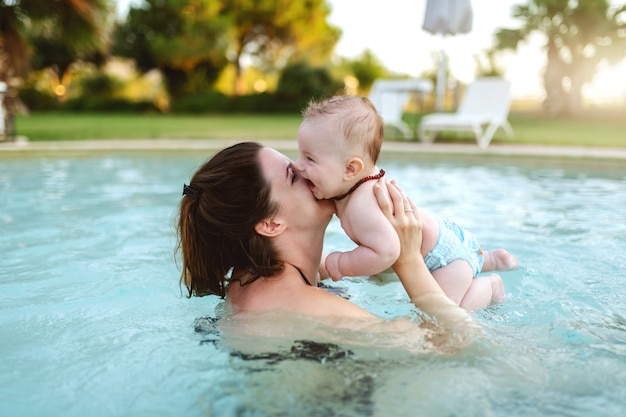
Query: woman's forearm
x=415 y=277
x=455 y=328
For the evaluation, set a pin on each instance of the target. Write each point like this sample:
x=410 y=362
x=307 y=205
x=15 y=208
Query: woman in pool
x=250 y=230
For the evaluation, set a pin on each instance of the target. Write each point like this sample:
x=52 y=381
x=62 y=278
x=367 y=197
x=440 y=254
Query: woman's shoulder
x=288 y=292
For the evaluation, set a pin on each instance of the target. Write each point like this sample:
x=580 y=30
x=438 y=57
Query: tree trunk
x=575 y=104
x=7 y=128
x=238 y=82
x=555 y=102
x=8 y=131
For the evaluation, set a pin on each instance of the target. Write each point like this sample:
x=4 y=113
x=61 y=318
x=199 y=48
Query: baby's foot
x=499 y=260
x=498 y=295
x=503 y=260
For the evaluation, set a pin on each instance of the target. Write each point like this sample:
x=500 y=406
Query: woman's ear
x=269 y=227
x=354 y=166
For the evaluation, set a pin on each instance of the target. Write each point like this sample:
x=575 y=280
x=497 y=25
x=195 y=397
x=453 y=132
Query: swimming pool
x=93 y=322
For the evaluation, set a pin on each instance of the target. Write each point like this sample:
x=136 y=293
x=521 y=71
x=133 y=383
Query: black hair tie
x=190 y=191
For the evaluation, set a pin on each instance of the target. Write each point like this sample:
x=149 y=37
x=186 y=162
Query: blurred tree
x=184 y=39
x=51 y=52
x=300 y=82
x=366 y=68
x=76 y=23
x=580 y=35
x=486 y=64
x=277 y=31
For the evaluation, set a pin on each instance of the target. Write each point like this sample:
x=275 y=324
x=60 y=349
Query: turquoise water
x=93 y=323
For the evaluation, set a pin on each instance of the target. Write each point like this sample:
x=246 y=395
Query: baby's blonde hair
x=356 y=118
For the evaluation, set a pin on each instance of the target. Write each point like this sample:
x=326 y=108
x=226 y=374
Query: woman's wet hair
x=226 y=198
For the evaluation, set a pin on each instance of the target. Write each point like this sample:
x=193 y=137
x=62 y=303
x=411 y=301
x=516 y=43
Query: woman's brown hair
x=227 y=197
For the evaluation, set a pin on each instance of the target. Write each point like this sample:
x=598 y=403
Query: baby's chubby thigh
x=455 y=279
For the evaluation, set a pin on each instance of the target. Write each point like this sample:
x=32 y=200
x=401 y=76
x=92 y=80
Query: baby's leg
x=484 y=290
x=499 y=260
x=455 y=279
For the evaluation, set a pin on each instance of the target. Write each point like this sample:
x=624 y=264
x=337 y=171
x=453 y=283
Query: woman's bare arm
x=418 y=282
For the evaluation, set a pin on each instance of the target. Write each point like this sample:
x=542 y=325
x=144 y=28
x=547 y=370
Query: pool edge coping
x=23 y=146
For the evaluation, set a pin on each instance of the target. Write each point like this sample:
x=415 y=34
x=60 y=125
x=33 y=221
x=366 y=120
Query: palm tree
x=77 y=23
x=579 y=36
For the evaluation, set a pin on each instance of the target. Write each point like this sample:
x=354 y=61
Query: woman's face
x=292 y=193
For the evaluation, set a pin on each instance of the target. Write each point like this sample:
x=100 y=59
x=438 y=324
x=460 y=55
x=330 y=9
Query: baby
x=339 y=141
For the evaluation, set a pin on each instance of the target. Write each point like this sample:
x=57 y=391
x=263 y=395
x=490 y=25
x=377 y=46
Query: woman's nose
x=297 y=166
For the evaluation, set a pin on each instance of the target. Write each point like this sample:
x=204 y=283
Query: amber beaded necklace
x=361 y=181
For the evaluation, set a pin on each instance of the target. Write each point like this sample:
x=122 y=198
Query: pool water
x=94 y=323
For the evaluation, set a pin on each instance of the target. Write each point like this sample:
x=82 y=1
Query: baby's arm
x=379 y=245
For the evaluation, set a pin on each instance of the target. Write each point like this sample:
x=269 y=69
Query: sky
x=392 y=31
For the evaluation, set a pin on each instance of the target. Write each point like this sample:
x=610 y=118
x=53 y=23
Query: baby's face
x=321 y=159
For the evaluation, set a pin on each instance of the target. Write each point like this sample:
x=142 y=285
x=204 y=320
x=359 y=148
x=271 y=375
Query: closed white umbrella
x=446 y=17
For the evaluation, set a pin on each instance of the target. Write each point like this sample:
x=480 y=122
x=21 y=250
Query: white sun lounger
x=390 y=98
x=485 y=105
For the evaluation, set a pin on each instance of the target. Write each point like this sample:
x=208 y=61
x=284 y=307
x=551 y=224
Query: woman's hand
x=322 y=269
x=403 y=216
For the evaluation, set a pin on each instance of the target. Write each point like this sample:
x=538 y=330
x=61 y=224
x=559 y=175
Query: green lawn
x=64 y=126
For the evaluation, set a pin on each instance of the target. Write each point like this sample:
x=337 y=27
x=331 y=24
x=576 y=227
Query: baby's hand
x=332 y=266
x=322 y=269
